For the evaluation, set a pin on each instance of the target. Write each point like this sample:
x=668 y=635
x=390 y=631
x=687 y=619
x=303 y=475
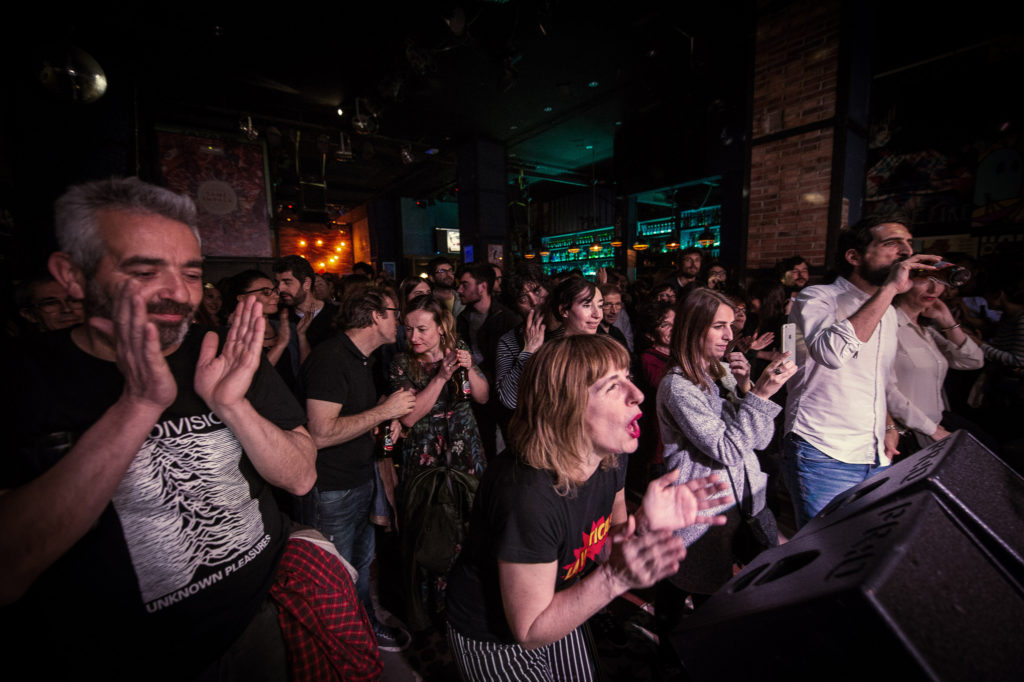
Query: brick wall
x=795 y=81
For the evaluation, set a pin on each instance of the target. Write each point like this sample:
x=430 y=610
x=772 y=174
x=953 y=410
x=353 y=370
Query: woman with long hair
x=703 y=432
x=551 y=509
x=410 y=288
x=441 y=452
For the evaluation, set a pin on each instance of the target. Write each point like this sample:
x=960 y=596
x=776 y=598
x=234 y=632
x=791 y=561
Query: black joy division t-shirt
x=185 y=551
x=518 y=517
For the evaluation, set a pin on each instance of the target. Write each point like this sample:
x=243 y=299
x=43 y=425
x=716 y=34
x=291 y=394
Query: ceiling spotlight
x=341 y=112
x=406 y=155
x=592 y=84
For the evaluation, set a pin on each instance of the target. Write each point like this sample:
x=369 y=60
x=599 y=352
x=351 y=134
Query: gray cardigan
x=704 y=433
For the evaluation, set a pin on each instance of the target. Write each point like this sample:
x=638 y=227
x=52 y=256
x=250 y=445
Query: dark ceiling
x=555 y=81
x=552 y=80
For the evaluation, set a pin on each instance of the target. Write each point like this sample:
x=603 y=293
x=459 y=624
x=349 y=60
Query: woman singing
x=550 y=542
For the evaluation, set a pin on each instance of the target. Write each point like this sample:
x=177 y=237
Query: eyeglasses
x=395 y=310
x=740 y=309
x=612 y=306
x=444 y=271
x=263 y=291
x=51 y=305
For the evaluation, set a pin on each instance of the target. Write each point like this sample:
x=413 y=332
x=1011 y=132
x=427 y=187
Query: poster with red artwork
x=226 y=179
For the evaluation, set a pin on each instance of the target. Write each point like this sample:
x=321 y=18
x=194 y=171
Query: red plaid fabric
x=325 y=628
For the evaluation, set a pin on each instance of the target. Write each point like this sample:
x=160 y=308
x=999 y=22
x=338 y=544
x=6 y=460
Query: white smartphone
x=789 y=340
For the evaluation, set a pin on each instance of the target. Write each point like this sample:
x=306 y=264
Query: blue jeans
x=344 y=517
x=813 y=478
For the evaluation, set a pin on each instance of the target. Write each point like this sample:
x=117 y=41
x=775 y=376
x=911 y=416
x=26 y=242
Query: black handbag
x=757 y=532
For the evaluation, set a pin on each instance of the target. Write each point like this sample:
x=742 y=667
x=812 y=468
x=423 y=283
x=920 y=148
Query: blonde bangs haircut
x=548 y=428
x=694 y=317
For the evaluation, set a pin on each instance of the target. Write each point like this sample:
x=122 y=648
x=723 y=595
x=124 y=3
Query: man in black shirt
x=140 y=535
x=343 y=410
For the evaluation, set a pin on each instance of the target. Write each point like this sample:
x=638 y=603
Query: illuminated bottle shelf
x=661 y=232
x=572 y=250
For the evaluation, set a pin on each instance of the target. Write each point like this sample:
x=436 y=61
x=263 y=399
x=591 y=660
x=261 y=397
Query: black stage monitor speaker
x=983 y=493
x=907 y=586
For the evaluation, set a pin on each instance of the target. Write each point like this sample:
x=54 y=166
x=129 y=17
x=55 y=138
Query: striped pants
x=566 y=659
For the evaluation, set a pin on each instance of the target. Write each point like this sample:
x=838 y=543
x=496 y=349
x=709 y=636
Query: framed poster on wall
x=227 y=180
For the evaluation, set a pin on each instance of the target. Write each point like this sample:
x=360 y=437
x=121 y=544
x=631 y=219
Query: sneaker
x=390 y=638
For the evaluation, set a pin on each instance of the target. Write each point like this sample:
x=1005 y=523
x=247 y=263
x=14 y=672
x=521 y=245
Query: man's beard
x=98 y=304
x=876 y=276
x=289 y=301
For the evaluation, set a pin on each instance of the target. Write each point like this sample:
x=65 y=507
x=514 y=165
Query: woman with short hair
x=576 y=305
x=550 y=508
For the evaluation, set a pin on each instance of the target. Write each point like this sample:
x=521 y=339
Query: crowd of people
x=188 y=454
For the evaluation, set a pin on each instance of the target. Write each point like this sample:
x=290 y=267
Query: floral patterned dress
x=448 y=431
x=446 y=436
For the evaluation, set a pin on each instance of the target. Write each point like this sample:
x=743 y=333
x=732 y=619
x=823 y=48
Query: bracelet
x=949 y=329
x=891 y=427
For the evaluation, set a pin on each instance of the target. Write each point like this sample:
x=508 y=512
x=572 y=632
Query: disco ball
x=72 y=74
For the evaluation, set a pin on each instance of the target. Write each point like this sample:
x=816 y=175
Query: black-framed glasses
x=53 y=304
x=265 y=291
